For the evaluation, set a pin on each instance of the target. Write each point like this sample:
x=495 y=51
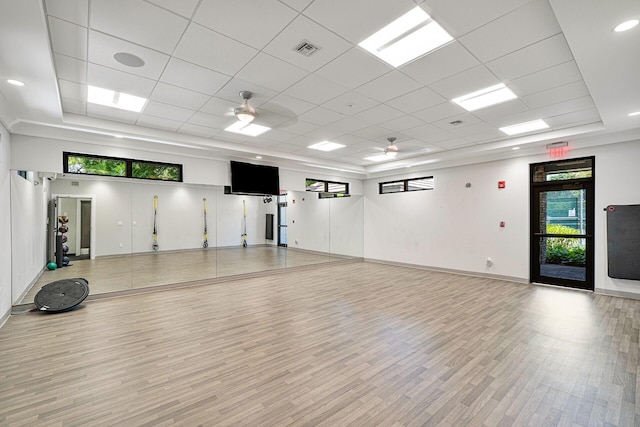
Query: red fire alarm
x=502 y=184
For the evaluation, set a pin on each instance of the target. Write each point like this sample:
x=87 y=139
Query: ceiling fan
x=392 y=149
x=245 y=112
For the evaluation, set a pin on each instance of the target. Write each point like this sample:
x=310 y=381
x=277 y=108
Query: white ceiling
x=560 y=57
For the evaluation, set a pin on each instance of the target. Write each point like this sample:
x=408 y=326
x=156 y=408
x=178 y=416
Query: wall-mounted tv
x=247 y=178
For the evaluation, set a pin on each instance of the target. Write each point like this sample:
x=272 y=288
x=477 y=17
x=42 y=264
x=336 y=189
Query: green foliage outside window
x=564 y=250
x=155 y=171
x=96 y=166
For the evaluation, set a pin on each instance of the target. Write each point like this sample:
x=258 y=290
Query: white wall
x=617 y=181
x=5 y=225
x=197 y=168
x=455 y=227
x=346 y=234
x=452 y=226
x=29 y=227
x=308 y=225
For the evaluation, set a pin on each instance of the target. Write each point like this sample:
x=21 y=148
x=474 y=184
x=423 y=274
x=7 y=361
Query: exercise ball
x=52 y=266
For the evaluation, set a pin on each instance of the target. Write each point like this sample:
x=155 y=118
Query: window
x=329 y=187
x=88 y=164
x=413 y=184
x=566 y=170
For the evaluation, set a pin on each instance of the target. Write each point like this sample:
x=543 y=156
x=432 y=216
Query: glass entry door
x=282 y=220
x=562 y=232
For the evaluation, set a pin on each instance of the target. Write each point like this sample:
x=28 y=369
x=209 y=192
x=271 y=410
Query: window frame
x=326 y=186
x=128 y=166
x=405 y=185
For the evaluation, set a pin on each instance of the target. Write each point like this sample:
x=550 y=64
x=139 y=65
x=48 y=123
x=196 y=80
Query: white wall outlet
x=489 y=262
x=122 y=245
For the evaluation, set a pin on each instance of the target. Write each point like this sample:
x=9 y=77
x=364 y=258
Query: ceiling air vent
x=306 y=48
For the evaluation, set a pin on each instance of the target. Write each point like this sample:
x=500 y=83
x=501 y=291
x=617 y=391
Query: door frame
x=92 y=198
x=588 y=184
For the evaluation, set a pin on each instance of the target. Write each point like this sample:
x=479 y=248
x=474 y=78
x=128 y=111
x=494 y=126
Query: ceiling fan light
x=391 y=151
x=245 y=113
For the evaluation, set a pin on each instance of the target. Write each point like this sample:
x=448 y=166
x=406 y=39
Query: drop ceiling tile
x=68 y=39
x=348 y=125
x=219 y=107
x=526 y=25
x=178 y=96
x=350 y=103
x=555 y=95
x=467 y=119
x=373 y=133
x=265 y=70
x=461 y=16
x=287 y=148
x=401 y=123
x=350 y=140
x=324 y=133
x=166 y=111
x=228 y=57
x=254 y=23
x=495 y=113
x=183 y=7
x=478 y=132
x=302 y=28
x=444 y=62
x=72 y=69
x=302 y=141
x=471 y=80
x=297 y=126
x=389 y=86
x=338 y=16
x=196 y=130
x=138 y=22
x=116 y=114
x=102 y=48
x=119 y=81
x=211 y=121
x=457 y=142
x=193 y=77
x=231 y=92
x=298 y=5
x=278 y=135
x=74 y=106
x=578 y=104
x=354 y=68
x=428 y=133
x=544 y=54
x=287 y=106
x=72 y=90
x=270 y=119
x=378 y=114
x=575 y=118
x=439 y=112
x=548 y=78
x=315 y=89
x=320 y=116
x=76 y=11
x=416 y=100
x=158 y=123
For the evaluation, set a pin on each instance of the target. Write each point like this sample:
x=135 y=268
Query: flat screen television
x=247 y=178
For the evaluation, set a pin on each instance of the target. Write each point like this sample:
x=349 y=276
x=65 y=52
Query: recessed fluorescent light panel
x=15 y=82
x=635 y=113
x=326 y=146
x=244 y=128
x=524 y=127
x=412 y=35
x=377 y=158
x=110 y=98
x=485 y=97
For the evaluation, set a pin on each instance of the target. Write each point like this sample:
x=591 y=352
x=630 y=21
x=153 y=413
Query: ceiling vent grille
x=306 y=48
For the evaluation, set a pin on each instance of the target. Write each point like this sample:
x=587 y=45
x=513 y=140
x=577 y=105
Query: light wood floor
x=121 y=273
x=331 y=345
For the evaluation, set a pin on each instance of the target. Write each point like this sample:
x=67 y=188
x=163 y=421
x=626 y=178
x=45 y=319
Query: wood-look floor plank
x=345 y=344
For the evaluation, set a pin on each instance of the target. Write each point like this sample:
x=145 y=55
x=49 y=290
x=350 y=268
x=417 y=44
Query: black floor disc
x=61 y=295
